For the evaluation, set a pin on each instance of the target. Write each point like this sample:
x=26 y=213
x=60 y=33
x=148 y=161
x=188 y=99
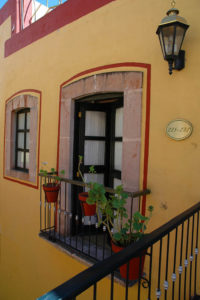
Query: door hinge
x=79 y=114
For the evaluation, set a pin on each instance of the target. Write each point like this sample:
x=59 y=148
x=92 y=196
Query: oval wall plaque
x=179 y=129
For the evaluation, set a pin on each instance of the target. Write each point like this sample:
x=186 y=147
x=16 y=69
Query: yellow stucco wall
x=122 y=31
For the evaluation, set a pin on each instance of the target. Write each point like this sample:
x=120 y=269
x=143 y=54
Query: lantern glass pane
x=168 y=34
x=180 y=32
x=161 y=43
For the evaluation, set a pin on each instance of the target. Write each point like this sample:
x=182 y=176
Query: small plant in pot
x=88 y=209
x=52 y=188
x=123 y=230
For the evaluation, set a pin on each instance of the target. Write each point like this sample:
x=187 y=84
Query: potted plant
x=123 y=230
x=88 y=209
x=52 y=188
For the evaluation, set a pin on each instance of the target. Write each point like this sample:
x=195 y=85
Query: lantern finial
x=173 y=3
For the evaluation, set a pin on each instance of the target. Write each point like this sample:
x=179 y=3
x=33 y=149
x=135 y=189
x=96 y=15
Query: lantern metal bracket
x=178 y=63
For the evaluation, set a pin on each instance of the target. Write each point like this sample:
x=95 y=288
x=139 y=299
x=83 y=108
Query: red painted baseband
x=64 y=14
x=148 y=95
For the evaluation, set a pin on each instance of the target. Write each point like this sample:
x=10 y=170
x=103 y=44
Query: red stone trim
x=23 y=99
x=64 y=14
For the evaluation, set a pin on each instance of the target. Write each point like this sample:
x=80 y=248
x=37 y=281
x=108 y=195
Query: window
x=22 y=140
x=107 y=132
x=22 y=125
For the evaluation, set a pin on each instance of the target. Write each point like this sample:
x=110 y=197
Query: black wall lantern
x=171 y=32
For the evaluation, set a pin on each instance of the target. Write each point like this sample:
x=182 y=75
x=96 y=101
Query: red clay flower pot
x=51 y=192
x=134 y=265
x=89 y=210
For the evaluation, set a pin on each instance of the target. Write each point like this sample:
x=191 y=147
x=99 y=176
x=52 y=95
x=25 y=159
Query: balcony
x=63 y=223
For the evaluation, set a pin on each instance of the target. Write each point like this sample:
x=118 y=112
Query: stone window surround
x=13 y=105
x=130 y=84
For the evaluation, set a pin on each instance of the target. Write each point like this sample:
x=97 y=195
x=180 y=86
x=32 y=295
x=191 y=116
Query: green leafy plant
x=55 y=178
x=112 y=212
x=91 y=170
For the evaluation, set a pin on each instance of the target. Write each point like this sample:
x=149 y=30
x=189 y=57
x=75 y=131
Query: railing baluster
x=112 y=286
x=139 y=204
x=82 y=239
x=174 y=268
x=49 y=218
x=140 y=274
x=150 y=270
x=104 y=241
x=127 y=280
x=131 y=208
x=196 y=254
x=158 y=292
x=40 y=203
x=59 y=214
x=166 y=268
x=45 y=221
x=69 y=215
x=76 y=219
x=65 y=212
x=96 y=239
x=55 y=220
x=181 y=262
x=186 y=260
x=95 y=292
x=191 y=256
x=89 y=238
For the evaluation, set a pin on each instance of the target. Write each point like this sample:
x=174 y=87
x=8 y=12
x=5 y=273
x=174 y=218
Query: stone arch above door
x=130 y=84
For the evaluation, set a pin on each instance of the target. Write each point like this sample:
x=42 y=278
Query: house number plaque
x=179 y=129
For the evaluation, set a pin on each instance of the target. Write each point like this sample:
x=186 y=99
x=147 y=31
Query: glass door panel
x=118 y=156
x=95 y=123
x=94 y=152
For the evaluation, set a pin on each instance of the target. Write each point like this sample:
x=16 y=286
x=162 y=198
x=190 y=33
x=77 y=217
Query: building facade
x=101 y=58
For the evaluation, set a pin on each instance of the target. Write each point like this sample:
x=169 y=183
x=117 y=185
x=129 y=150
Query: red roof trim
x=64 y=14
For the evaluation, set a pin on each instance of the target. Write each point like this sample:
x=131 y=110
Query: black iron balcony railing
x=172 y=270
x=64 y=222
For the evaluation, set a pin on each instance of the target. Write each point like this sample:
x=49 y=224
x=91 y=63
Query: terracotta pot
x=89 y=210
x=134 y=265
x=51 y=192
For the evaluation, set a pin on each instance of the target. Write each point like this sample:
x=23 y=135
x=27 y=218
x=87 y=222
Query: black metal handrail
x=107 y=189
x=89 y=277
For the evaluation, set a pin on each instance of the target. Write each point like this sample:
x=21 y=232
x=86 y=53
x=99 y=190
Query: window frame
x=24 y=111
x=24 y=99
x=130 y=84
